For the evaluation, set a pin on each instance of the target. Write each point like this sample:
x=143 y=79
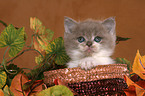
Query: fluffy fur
x=89 y=53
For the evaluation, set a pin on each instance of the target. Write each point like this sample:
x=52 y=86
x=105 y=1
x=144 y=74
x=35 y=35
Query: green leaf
x=56 y=48
x=124 y=61
x=13 y=38
x=57 y=90
x=3 y=77
x=50 y=34
x=38 y=59
x=121 y=39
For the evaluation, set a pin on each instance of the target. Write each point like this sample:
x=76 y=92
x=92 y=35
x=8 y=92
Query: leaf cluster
x=52 y=55
x=136 y=82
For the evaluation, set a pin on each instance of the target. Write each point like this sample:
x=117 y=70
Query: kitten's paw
x=72 y=64
x=87 y=63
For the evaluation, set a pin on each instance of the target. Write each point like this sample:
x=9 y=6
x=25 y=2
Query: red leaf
x=36 y=87
x=130 y=91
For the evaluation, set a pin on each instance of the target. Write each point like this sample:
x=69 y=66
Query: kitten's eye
x=81 y=39
x=97 y=39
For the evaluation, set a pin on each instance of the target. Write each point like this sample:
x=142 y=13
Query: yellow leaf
x=3 y=77
x=128 y=81
x=140 y=92
x=139 y=65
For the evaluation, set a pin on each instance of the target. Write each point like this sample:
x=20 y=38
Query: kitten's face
x=87 y=38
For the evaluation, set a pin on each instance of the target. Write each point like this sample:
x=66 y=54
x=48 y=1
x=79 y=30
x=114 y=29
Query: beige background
x=130 y=18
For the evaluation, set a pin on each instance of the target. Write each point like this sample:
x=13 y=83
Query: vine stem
x=3 y=23
x=31 y=41
x=3 y=62
x=24 y=52
x=22 y=86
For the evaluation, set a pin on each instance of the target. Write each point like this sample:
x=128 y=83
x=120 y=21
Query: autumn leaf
x=3 y=77
x=42 y=35
x=17 y=83
x=1 y=92
x=134 y=88
x=36 y=87
x=139 y=65
x=57 y=90
x=130 y=91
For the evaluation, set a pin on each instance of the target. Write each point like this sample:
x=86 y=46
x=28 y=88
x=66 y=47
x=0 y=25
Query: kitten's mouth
x=89 y=50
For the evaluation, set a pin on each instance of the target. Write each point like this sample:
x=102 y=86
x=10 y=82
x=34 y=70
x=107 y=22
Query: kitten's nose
x=89 y=43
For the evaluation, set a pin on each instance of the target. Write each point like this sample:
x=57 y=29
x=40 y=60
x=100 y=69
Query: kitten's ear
x=110 y=24
x=68 y=24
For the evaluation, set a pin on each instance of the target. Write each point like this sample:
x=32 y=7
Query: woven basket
x=75 y=75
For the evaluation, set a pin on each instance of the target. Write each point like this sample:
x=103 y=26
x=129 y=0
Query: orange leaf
x=36 y=45
x=1 y=92
x=39 y=44
x=128 y=81
x=17 y=83
x=139 y=65
x=130 y=91
x=134 y=88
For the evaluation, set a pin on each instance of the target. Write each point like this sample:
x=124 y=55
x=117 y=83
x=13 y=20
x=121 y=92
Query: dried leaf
x=42 y=36
x=1 y=92
x=17 y=83
x=139 y=65
x=135 y=88
x=130 y=91
x=36 y=87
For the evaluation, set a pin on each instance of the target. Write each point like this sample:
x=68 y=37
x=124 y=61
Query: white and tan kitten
x=89 y=43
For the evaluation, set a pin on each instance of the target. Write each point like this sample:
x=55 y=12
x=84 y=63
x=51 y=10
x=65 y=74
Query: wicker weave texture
x=74 y=75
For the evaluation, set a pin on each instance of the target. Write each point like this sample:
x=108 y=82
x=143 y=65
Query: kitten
x=89 y=43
